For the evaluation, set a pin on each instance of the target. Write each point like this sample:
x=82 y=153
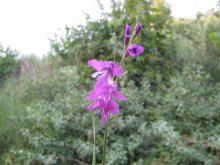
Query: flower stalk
x=94 y=145
x=105 y=142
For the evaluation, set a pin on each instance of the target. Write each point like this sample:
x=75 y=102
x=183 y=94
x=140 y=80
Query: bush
x=171 y=126
x=8 y=63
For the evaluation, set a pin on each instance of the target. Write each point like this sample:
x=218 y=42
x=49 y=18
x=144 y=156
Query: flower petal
x=117 y=70
x=94 y=75
x=113 y=107
x=97 y=65
x=102 y=80
x=93 y=106
x=93 y=95
x=117 y=94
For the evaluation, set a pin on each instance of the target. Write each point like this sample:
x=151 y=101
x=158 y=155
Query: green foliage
x=11 y=115
x=196 y=42
x=8 y=63
x=171 y=126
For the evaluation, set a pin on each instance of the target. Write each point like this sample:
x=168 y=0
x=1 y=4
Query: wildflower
x=138 y=28
x=105 y=69
x=134 y=50
x=105 y=108
x=107 y=92
x=104 y=100
x=127 y=34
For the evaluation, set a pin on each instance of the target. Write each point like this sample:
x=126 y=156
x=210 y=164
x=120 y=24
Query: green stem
x=105 y=142
x=94 y=155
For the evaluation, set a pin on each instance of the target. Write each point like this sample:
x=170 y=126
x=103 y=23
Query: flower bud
x=127 y=29
x=127 y=34
x=138 y=28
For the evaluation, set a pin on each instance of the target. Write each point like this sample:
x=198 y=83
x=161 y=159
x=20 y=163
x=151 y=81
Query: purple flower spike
x=105 y=92
x=134 y=50
x=127 y=34
x=138 y=28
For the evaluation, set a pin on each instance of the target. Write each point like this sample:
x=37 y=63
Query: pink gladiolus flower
x=105 y=108
x=107 y=92
x=134 y=50
x=105 y=69
x=104 y=100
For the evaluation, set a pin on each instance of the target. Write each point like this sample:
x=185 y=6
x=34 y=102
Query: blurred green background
x=172 y=116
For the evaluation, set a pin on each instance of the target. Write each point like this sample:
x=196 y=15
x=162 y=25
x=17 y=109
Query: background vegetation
x=172 y=115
